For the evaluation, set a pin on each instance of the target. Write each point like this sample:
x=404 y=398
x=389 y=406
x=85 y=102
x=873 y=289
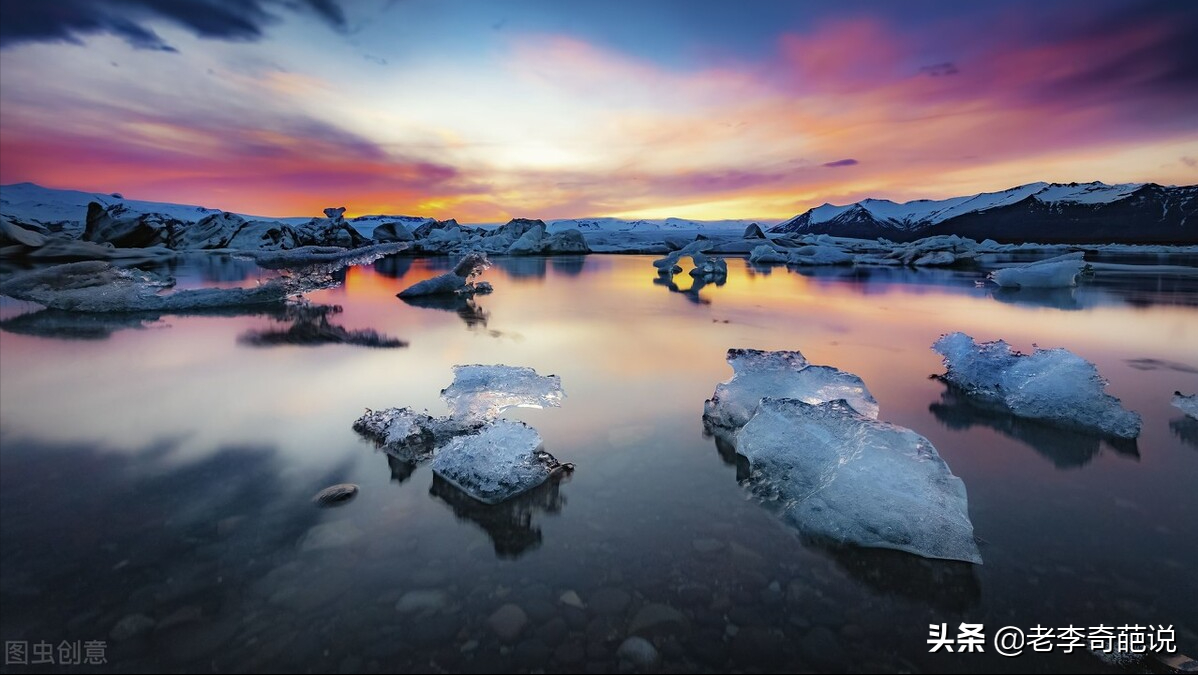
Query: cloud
x=940 y=69
x=1190 y=162
x=70 y=20
x=841 y=162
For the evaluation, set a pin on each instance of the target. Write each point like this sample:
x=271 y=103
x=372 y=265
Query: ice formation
x=483 y=392
x=848 y=478
x=781 y=374
x=1058 y=272
x=97 y=286
x=1186 y=404
x=1052 y=385
x=502 y=460
x=456 y=282
x=489 y=459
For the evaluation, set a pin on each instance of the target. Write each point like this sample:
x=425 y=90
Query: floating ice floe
x=481 y=392
x=766 y=254
x=781 y=374
x=459 y=281
x=813 y=442
x=489 y=459
x=504 y=459
x=1052 y=385
x=1057 y=272
x=97 y=286
x=847 y=478
x=1186 y=404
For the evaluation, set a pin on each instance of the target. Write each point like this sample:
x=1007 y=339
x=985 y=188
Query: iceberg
x=766 y=254
x=98 y=286
x=504 y=459
x=455 y=282
x=1057 y=272
x=847 y=478
x=781 y=374
x=1186 y=404
x=1052 y=385
x=481 y=392
x=407 y=434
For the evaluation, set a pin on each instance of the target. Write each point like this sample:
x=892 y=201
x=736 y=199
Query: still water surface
x=164 y=467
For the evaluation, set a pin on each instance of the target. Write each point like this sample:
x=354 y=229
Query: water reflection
x=1055 y=298
x=393 y=266
x=66 y=325
x=568 y=265
x=522 y=267
x=310 y=327
x=692 y=292
x=509 y=524
x=1186 y=428
x=1065 y=448
x=466 y=307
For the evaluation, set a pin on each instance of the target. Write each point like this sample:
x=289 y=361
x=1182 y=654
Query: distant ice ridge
x=98 y=286
x=848 y=478
x=1052 y=385
x=814 y=445
x=490 y=459
x=1058 y=272
x=1186 y=404
x=781 y=374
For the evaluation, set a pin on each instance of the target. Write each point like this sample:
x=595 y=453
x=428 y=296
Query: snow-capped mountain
x=67 y=209
x=1041 y=212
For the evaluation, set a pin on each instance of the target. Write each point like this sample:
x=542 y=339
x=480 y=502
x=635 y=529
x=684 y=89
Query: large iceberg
x=847 y=478
x=504 y=459
x=480 y=392
x=1052 y=385
x=1186 y=404
x=781 y=374
x=97 y=286
x=1058 y=272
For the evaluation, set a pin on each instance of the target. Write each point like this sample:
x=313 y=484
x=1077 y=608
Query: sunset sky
x=487 y=110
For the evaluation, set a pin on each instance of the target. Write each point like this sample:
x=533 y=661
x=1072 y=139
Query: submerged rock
x=1052 y=385
x=847 y=478
x=639 y=652
x=781 y=374
x=336 y=495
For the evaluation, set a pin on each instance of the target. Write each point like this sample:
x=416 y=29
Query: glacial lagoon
x=157 y=472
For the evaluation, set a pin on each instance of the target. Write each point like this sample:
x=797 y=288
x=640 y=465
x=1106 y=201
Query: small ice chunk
x=502 y=460
x=848 y=478
x=408 y=434
x=481 y=392
x=766 y=255
x=781 y=374
x=1053 y=385
x=1187 y=404
x=1058 y=272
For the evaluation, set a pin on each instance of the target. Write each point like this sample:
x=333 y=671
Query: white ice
x=848 y=478
x=781 y=374
x=1186 y=404
x=97 y=286
x=502 y=460
x=1053 y=385
x=1058 y=272
x=482 y=392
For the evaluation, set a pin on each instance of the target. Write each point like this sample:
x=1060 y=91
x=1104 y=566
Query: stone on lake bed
x=423 y=600
x=657 y=618
x=638 y=652
x=335 y=495
x=131 y=626
x=508 y=622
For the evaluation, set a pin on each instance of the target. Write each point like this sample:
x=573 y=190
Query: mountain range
x=1065 y=213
